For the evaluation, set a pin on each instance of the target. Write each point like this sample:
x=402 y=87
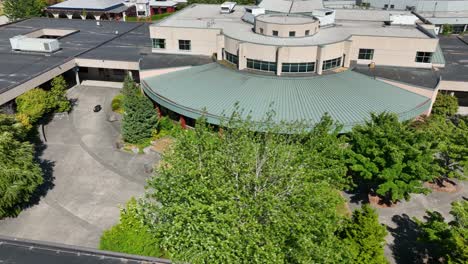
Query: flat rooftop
x=290 y=6
x=456 y=58
x=209 y=17
x=367 y=14
x=451 y=17
x=112 y=40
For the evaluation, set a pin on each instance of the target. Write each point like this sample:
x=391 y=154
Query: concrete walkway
x=89 y=178
x=401 y=241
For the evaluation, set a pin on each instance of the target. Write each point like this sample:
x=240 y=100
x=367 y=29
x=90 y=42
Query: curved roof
x=348 y=96
x=88 y=4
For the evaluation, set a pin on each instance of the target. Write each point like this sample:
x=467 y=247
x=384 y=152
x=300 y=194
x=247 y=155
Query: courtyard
x=87 y=178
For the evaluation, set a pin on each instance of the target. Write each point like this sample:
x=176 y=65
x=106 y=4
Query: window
x=141 y=13
x=184 y=44
x=366 y=54
x=292 y=33
x=423 y=57
x=298 y=67
x=392 y=6
x=307 y=32
x=385 y=6
x=331 y=64
x=261 y=65
x=159 y=43
x=232 y=58
x=275 y=33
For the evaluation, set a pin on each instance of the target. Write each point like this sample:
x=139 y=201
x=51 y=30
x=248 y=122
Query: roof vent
x=23 y=43
x=227 y=7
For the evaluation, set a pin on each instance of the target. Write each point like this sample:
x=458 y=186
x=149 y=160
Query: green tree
x=139 y=117
x=450 y=141
x=20 y=175
x=130 y=235
x=445 y=105
x=240 y=196
x=450 y=239
x=390 y=157
x=365 y=236
x=20 y=9
x=34 y=104
x=58 y=95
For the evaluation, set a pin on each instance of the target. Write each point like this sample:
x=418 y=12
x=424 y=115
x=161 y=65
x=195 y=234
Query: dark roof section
x=18 y=67
x=455 y=51
x=14 y=250
x=425 y=78
x=161 y=61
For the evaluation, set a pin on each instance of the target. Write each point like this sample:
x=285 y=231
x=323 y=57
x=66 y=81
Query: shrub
x=59 y=100
x=130 y=235
x=34 y=104
x=117 y=102
x=445 y=105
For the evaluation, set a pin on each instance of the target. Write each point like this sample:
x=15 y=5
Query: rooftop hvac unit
x=24 y=43
x=227 y=7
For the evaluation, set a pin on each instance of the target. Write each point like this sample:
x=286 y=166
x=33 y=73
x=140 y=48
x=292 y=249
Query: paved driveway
x=90 y=177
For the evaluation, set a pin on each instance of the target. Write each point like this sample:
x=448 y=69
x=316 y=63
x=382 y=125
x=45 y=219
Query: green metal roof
x=438 y=56
x=348 y=96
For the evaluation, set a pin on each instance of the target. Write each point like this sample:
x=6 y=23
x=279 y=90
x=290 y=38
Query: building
x=436 y=12
x=299 y=64
x=89 y=9
x=204 y=60
x=104 y=51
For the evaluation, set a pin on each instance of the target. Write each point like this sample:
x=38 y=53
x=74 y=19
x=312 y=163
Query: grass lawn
x=153 y=18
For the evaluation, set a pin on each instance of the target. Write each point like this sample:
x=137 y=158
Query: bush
x=59 y=100
x=445 y=105
x=130 y=235
x=34 y=104
x=117 y=102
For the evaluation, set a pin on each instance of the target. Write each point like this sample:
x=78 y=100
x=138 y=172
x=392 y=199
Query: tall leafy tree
x=20 y=174
x=365 y=236
x=450 y=140
x=451 y=239
x=240 y=196
x=445 y=105
x=390 y=157
x=20 y=9
x=139 y=118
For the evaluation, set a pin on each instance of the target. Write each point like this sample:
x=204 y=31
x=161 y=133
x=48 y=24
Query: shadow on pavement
x=406 y=248
x=47 y=168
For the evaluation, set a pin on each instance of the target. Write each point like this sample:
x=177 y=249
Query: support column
x=124 y=16
x=56 y=15
x=465 y=28
x=319 y=60
x=83 y=17
x=242 y=59
x=69 y=16
x=77 y=76
x=279 y=60
x=97 y=17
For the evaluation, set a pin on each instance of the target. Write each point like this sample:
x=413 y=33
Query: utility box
x=23 y=43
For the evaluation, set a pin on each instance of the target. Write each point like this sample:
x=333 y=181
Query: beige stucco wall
x=284 y=29
x=392 y=51
x=107 y=64
x=203 y=41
